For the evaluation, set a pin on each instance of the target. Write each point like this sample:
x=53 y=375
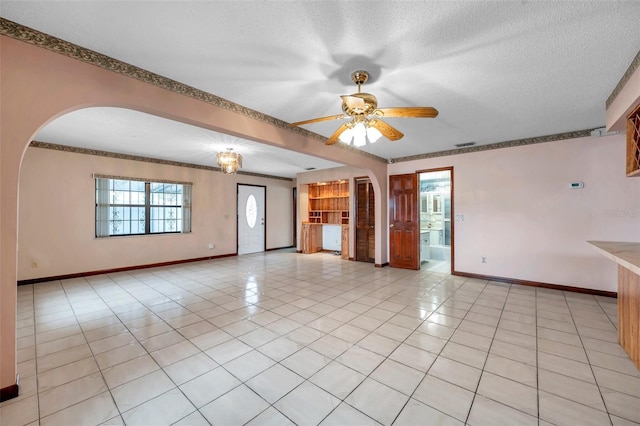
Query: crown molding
x=507 y=144
x=633 y=66
x=29 y=35
x=116 y=155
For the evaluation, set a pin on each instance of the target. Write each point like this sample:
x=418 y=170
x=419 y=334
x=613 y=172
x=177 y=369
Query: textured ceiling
x=496 y=71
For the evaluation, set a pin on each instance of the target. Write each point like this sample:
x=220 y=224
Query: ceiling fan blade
x=387 y=131
x=317 y=120
x=353 y=102
x=334 y=137
x=408 y=112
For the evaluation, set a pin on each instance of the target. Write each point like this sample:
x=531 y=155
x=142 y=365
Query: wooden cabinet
x=344 y=246
x=633 y=143
x=311 y=238
x=329 y=202
x=328 y=205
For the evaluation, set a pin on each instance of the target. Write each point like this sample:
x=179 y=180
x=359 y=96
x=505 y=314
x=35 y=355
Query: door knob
x=391 y=225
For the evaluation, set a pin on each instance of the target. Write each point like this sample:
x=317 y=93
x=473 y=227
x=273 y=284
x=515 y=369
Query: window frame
x=103 y=206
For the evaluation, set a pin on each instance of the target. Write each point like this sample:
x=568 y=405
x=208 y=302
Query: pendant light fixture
x=229 y=161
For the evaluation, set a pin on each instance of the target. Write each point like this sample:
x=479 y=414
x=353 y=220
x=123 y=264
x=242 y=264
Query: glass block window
x=136 y=207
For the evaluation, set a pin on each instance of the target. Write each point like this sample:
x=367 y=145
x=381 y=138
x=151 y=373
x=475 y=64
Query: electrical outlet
x=484 y=260
x=211 y=246
x=459 y=218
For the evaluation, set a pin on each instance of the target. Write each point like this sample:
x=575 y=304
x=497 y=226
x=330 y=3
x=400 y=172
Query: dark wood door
x=365 y=221
x=404 y=227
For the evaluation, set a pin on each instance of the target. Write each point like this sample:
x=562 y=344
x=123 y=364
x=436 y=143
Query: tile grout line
x=160 y=368
x=589 y=362
x=343 y=400
x=90 y=348
x=440 y=352
x=191 y=282
x=475 y=393
x=35 y=346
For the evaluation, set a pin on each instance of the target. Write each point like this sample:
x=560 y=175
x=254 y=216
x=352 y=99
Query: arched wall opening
x=40 y=85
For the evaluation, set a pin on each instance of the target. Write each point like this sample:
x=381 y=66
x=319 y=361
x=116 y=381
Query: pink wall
x=520 y=213
x=57 y=215
x=41 y=85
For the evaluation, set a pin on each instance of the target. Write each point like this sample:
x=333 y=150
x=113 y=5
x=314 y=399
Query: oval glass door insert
x=251 y=211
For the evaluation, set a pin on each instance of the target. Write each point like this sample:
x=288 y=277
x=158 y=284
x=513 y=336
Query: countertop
x=626 y=254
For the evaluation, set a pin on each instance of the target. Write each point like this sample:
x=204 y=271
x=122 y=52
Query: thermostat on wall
x=576 y=185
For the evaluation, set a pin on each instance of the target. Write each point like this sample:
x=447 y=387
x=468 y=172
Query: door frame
x=453 y=216
x=295 y=215
x=264 y=243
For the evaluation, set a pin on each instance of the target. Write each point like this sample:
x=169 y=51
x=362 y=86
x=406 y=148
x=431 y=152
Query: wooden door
x=365 y=221
x=404 y=227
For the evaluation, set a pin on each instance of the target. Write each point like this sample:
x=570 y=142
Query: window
x=138 y=207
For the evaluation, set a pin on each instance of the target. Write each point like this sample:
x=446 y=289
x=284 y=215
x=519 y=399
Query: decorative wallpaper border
x=139 y=179
x=75 y=150
x=54 y=44
x=633 y=66
x=498 y=145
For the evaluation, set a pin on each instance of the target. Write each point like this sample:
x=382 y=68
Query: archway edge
x=38 y=85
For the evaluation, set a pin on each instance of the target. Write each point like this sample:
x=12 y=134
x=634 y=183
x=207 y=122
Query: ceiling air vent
x=464 y=145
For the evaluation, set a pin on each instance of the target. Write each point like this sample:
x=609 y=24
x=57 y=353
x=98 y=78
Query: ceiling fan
x=366 y=118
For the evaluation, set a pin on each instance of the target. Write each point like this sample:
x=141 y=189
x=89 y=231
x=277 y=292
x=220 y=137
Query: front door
x=251 y=219
x=404 y=226
x=365 y=221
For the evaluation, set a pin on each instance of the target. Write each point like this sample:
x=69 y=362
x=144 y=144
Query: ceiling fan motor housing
x=359 y=104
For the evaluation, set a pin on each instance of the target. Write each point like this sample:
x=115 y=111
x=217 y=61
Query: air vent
x=464 y=145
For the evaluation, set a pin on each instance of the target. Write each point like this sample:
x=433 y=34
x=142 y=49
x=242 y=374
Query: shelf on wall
x=329 y=202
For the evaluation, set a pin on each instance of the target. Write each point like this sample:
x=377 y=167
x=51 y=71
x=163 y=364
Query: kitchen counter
x=627 y=256
x=623 y=253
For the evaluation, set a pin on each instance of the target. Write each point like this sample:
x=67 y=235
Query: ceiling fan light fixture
x=346 y=136
x=229 y=161
x=373 y=134
x=359 y=139
x=359 y=134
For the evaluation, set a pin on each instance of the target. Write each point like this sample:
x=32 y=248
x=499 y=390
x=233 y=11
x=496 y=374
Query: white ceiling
x=136 y=133
x=496 y=71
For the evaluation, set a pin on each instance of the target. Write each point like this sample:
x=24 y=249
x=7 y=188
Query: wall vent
x=464 y=145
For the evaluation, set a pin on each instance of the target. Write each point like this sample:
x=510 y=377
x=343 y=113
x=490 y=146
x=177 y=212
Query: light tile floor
x=284 y=338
